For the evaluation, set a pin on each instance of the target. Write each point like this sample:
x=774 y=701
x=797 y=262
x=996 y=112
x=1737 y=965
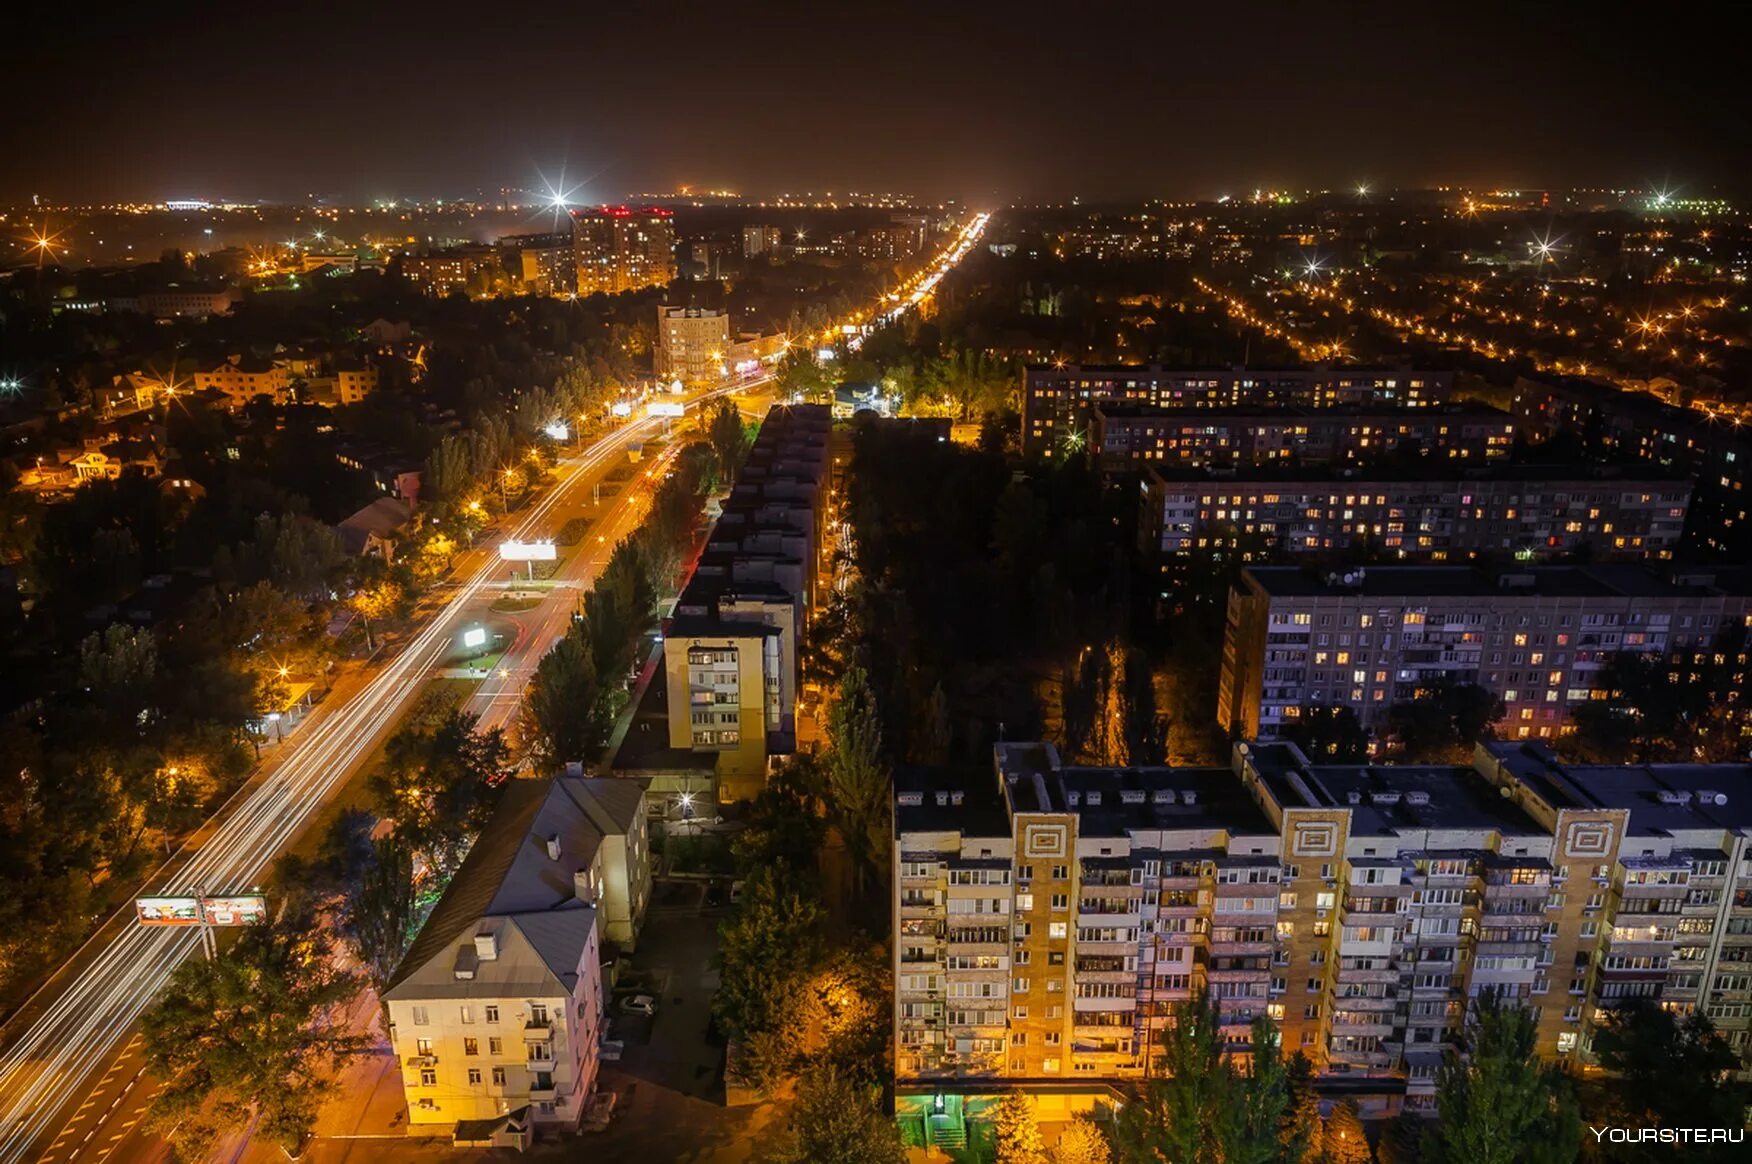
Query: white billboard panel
x=528 y=552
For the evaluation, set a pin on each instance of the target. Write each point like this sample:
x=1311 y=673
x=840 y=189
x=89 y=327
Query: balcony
x=538 y=1023
x=426 y=1060
x=540 y=1058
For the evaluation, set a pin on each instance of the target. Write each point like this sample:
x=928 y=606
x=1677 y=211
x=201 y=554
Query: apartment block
x=496 y=1011
x=1048 y=919
x=1538 y=636
x=241 y=379
x=730 y=647
x=693 y=344
x=1611 y=422
x=1133 y=437
x=1057 y=399
x=543 y=263
x=1523 y=510
x=470 y=270
x=621 y=248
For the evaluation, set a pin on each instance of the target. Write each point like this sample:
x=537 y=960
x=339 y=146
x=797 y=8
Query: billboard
x=248 y=910
x=527 y=552
x=664 y=408
x=474 y=636
x=168 y=911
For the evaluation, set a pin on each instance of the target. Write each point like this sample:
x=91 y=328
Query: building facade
x=730 y=648
x=1524 y=511
x=693 y=344
x=469 y=270
x=496 y=1011
x=1614 y=423
x=620 y=248
x=1125 y=437
x=1537 y=637
x=1048 y=922
x=1056 y=400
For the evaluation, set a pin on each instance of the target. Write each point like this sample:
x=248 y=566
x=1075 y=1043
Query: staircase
x=946 y=1131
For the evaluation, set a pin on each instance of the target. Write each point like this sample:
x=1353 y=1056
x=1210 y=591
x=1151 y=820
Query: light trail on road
x=45 y=1066
x=42 y=1070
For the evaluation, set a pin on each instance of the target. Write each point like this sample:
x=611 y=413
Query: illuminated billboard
x=664 y=408
x=474 y=636
x=248 y=910
x=528 y=552
x=621 y=408
x=168 y=911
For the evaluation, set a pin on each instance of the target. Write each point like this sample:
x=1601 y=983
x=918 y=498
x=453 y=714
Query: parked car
x=639 y=1004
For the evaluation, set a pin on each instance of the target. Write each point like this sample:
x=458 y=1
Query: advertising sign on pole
x=247 y=910
x=168 y=911
x=527 y=552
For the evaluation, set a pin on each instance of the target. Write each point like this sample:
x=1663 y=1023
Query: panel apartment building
x=1133 y=436
x=621 y=248
x=1611 y=422
x=1048 y=921
x=693 y=344
x=1537 y=636
x=1056 y=400
x=1524 y=511
x=495 y=1013
x=730 y=648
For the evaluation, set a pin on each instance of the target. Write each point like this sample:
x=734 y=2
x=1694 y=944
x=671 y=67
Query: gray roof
x=509 y=874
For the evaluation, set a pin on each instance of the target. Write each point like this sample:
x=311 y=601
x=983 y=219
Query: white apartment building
x=496 y=1012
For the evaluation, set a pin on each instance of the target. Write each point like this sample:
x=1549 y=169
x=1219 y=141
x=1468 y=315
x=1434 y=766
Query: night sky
x=983 y=101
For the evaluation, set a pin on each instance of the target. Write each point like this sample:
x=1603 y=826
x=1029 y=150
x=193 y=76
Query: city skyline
x=981 y=105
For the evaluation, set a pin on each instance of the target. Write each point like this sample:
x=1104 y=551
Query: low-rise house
x=496 y=1011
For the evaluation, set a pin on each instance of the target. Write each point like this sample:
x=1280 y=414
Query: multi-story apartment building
x=1538 y=637
x=190 y=302
x=760 y=240
x=241 y=379
x=1525 y=511
x=471 y=270
x=693 y=344
x=730 y=648
x=1610 y=422
x=1056 y=400
x=1130 y=437
x=1047 y=922
x=619 y=248
x=544 y=263
x=495 y=1013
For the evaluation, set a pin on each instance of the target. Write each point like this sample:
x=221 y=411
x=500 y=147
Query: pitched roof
x=522 y=869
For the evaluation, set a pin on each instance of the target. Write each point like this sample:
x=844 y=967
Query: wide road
x=72 y=1082
x=83 y=1018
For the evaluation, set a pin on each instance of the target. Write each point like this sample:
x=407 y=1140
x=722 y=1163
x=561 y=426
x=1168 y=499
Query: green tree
x=1443 y=723
x=437 y=785
x=1017 y=1132
x=1204 y=1106
x=729 y=440
x=1665 y=1070
x=248 y=1033
x=857 y=786
x=1082 y=1142
x=1343 y=1139
x=565 y=712
x=377 y=911
x=1328 y=735
x=840 y=1121
x=765 y=954
x=1498 y=1104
